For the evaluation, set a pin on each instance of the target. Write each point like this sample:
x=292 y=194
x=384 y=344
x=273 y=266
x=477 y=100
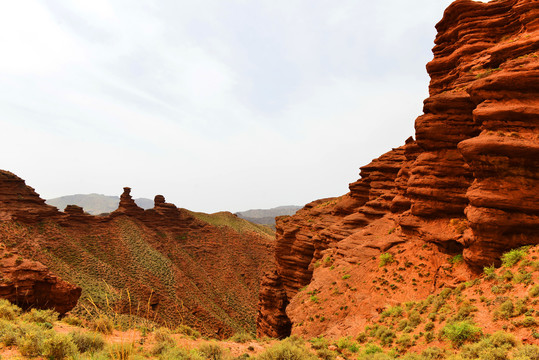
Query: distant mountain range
x=95 y=204
x=267 y=216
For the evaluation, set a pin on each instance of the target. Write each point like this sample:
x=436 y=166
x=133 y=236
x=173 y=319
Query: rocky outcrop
x=127 y=205
x=30 y=284
x=19 y=202
x=467 y=184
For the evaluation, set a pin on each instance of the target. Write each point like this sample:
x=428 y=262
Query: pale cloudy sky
x=216 y=104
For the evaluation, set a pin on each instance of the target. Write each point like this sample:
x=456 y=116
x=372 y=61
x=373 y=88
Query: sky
x=215 y=104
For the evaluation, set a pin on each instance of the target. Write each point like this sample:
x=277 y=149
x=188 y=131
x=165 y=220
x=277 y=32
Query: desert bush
x=288 y=349
x=527 y=352
x=8 y=311
x=429 y=326
x=534 y=291
x=490 y=272
x=187 y=330
x=404 y=341
x=414 y=319
x=59 y=347
x=211 y=351
x=163 y=335
x=8 y=333
x=385 y=258
x=241 y=337
x=31 y=339
x=121 y=351
x=72 y=320
x=175 y=353
x=347 y=343
x=460 y=332
x=513 y=256
x=47 y=316
x=326 y=354
x=385 y=335
x=103 y=324
x=433 y=353
x=319 y=343
x=87 y=341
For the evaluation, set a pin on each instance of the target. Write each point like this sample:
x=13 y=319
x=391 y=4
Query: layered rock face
x=19 y=202
x=468 y=184
x=31 y=284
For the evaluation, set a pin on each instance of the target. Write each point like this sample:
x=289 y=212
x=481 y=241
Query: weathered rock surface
x=467 y=185
x=31 y=284
x=19 y=202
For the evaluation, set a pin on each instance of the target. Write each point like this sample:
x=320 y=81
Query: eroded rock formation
x=467 y=185
x=31 y=284
x=19 y=202
x=171 y=264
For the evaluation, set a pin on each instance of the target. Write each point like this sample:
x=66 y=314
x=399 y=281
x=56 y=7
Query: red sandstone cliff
x=467 y=185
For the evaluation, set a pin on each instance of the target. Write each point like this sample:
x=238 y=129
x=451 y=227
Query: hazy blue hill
x=267 y=216
x=95 y=204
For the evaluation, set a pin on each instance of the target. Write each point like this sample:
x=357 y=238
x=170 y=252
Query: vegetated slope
x=162 y=263
x=95 y=204
x=480 y=319
x=466 y=187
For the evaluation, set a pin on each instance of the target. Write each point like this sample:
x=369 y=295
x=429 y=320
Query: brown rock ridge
x=176 y=266
x=468 y=184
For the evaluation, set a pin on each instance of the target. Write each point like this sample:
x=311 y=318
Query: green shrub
x=8 y=333
x=59 y=347
x=372 y=349
x=506 y=309
x=163 y=335
x=187 y=330
x=87 y=341
x=511 y=257
x=404 y=340
x=288 y=349
x=174 y=353
x=72 y=320
x=394 y=311
x=460 y=332
x=121 y=351
x=347 y=343
x=319 y=343
x=8 y=311
x=47 y=316
x=31 y=340
x=385 y=258
x=527 y=352
x=433 y=353
x=326 y=354
x=211 y=351
x=103 y=324
x=241 y=337
x=534 y=291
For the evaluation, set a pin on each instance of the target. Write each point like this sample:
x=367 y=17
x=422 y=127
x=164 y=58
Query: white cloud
x=215 y=105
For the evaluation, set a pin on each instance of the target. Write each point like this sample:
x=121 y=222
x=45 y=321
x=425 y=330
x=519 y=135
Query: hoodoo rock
x=127 y=205
x=466 y=186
